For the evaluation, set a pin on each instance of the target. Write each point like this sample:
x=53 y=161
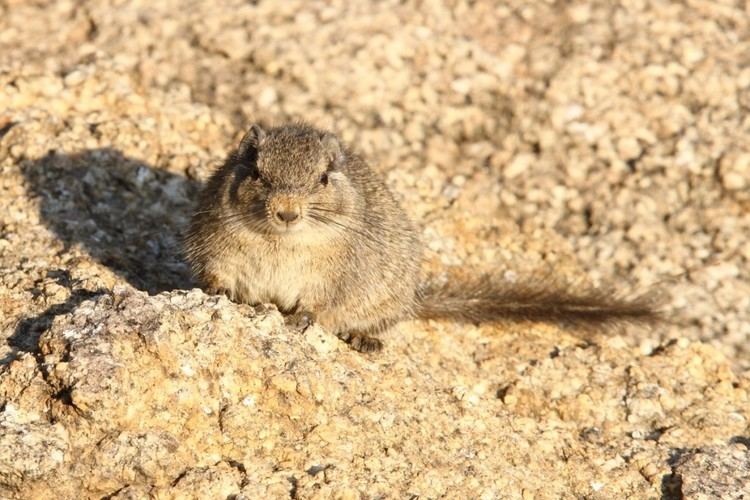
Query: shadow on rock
x=126 y=214
x=671 y=484
x=29 y=330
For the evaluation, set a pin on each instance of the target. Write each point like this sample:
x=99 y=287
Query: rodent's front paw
x=361 y=342
x=211 y=290
x=300 y=320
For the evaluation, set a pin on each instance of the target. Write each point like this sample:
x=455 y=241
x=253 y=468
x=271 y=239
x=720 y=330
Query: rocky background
x=602 y=142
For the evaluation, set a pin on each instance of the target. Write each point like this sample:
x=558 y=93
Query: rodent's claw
x=218 y=291
x=361 y=342
x=300 y=320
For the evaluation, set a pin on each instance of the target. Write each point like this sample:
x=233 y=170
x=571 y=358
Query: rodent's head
x=289 y=179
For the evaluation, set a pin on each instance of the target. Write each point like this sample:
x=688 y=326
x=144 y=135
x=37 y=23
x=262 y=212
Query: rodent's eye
x=324 y=178
x=253 y=172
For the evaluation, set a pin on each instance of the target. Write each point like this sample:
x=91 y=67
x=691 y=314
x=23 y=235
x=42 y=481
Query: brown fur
x=352 y=257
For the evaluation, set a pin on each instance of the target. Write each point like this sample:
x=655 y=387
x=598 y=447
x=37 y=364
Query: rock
x=629 y=148
x=162 y=394
x=518 y=165
x=267 y=97
x=714 y=472
x=735 y=174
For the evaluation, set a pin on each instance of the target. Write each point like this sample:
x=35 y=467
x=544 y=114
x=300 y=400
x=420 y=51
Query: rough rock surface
x=178 y=393
x=607 y=141
x=715 y=472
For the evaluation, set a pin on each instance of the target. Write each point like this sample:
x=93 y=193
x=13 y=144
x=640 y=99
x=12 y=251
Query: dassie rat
x=295 y=218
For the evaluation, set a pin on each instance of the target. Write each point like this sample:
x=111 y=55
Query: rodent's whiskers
x=253 y=220
x=369 y=238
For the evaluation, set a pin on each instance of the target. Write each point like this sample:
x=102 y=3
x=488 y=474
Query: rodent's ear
x=251 y=141
x=332 y=147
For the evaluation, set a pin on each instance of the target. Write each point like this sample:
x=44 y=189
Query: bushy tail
x=542 y=300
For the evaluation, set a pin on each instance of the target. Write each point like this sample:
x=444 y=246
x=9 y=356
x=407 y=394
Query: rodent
x=295 y=218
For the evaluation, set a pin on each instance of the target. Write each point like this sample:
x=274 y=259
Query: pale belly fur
x=279 y=272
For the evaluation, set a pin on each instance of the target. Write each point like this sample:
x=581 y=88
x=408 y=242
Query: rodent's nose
x=287 y=216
